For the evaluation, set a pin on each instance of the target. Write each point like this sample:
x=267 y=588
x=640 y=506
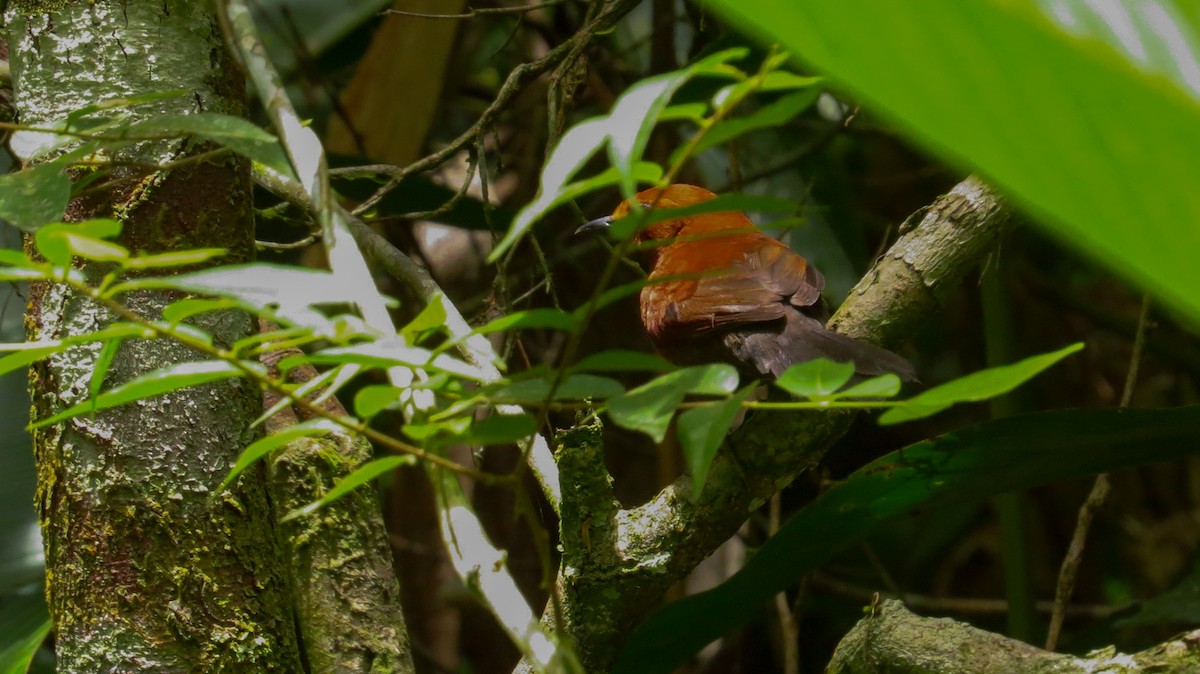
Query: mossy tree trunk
x=149 y=568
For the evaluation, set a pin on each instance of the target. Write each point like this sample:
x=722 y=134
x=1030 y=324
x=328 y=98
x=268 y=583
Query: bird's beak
x=595 y=225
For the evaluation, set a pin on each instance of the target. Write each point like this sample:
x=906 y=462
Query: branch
x=898 y=642
x=517 y=79
x=637 y=553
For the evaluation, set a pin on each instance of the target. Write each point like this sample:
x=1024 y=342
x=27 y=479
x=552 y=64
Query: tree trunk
x=149 y=568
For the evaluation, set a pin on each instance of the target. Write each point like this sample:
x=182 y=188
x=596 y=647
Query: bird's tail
x=804 y=338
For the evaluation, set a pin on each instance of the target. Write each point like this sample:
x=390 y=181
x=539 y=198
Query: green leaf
x=573 y=387
x=649 y=408
x=431 y=316
x=98 y=250
x=499 y=429
x=883 y=386
x=373 y=399
x=24 y=625
x=551 y=319
x=1088 y=118
x=1013 y=453
x=782 y=80
x=426 y=432
x=108 y=351
x=771 y=115
x=622 y=360
x=612 y=295
x=18 y=275
x=26 y=357
x=78 y=115
x=284 y=293
x=267 y=444
x=974 y=387
x=626 y=130
x=368 y=472
x=235 y=133
x=16 y=258
x=575 y=147
x=34 y=197
x=636 y=111
x=171 y=378
x=496 y=429
x=702 y=430
x=387 y=353
x=180 y=258
x=815 y=379
x=59 y=241
x=181 y=310
x=546 y=200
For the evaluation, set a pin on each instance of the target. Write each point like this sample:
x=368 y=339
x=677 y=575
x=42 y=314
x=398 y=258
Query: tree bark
x=893 y=641
x=149 y=567
x=347 y=598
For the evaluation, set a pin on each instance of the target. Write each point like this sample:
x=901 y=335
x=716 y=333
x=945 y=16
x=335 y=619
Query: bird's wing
x=751 y=286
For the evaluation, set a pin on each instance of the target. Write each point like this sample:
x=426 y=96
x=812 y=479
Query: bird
x=721 y=290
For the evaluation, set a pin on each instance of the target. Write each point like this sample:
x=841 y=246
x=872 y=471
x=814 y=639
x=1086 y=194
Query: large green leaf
x=24 y=624
x=649 y=407
x=235 y=133
x=976 y=386
x=1087 y=117
x=1013 y=453
x=34 y=197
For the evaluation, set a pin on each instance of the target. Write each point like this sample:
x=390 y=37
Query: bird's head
x=672 y=196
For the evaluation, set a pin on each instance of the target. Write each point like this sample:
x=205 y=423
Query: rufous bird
x=720 y=290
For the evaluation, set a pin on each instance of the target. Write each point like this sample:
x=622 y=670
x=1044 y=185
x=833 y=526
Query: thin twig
x=959 y=605
x=472 y=12
x=789 y=630
x=472 y=165
x=1069 y=571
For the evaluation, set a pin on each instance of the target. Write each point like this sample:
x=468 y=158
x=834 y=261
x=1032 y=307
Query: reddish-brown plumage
x=722 y=291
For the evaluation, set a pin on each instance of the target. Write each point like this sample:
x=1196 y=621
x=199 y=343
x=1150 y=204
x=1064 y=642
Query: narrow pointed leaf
x=26 y=357
x=265 y=445
x=883 y=386
x=368 y=472
x=702 y=430
x=552 y=319
x=974 y=387
x=108 y=351
x=181 y=258
x=155 y=383
x=389 y=353
x=236 y=133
